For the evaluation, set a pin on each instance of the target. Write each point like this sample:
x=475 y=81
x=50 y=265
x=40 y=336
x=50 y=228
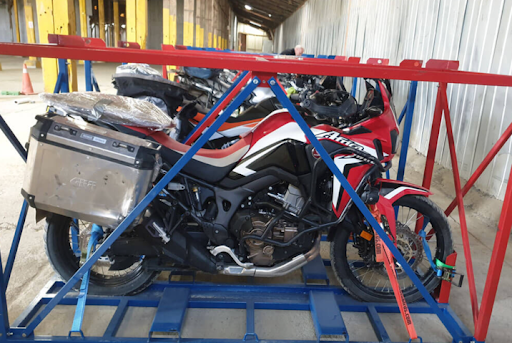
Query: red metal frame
x=208 y=59
x=439 y=71
x=127 y=45
x=446 y=286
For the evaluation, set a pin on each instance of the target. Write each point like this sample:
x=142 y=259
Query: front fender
x=393 y=190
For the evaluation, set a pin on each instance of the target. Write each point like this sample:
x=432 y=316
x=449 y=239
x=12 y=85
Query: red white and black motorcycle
x=259 y=207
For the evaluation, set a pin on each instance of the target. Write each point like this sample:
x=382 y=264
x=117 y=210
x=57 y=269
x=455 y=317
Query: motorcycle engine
x=255 y=222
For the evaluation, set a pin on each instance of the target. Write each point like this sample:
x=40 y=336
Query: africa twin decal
x=338 y=138
x=335 y=136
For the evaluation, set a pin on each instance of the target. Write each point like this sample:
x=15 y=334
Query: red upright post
x=434 y=136
x=432 y=147
x=462 y=213
x=496 y=264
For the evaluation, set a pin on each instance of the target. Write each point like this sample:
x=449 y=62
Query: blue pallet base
x=172 y=299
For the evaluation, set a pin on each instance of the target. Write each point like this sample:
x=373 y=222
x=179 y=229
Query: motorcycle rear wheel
x=60 y=253
x=356 y=276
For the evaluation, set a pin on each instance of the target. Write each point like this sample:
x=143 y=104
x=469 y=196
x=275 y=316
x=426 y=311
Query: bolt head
x=24 y=335
x=272 y=82
x=255 y=81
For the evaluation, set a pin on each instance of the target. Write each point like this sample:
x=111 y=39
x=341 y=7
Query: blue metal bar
x=95 y=83
x=378 y=326
x=15 y=243
x=235 y=83
x=88 y=76
x=62 y=84
x=13 y=139
x=171 y=310
x=281 y=96
x=402 y=114
x=4 y=315
x=96 y=234
x=74 y=238
x=250 y=331
x=239 y=99
x=411 y=99
x=116 y=320
x=354 y=87
x=326 y=315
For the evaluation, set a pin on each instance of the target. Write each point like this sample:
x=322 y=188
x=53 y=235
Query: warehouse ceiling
x=265 y=14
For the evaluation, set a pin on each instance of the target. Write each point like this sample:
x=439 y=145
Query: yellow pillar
x=142 y=23
x=101 y=16
x=45 y=23
x=172 y=23
x=188 y=23
x=116 y=22
x=16 y=20
x=166 y=21
x=131 y=20
x=65 y=24
x=169 y=26
x=210 y=40
x=31 y=32
x=83 y=18
x=199 y=23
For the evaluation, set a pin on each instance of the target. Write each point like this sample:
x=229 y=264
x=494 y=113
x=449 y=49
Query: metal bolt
x=250 y=198
x=24 y=335
x=0 y=334
x=255 y=81
x=242 y=206
x=272 y=82
x=216 y=231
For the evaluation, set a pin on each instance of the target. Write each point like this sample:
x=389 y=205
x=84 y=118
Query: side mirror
x=373 y=111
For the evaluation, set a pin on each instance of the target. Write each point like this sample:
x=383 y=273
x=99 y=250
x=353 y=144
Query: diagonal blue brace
x=15 y=243
x=409 y=112
x=96 y=234
x=4 y=315
x=62 y=84
x=441 y=313
x=153 y=193
x=235 y=83
x=354 y=87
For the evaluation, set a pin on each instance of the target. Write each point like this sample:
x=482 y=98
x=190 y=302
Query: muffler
x=248 y=269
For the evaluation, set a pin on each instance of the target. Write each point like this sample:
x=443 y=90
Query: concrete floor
x=32 y=271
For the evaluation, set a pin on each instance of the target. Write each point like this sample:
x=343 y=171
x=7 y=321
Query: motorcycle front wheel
x=65 y=261
x=353 y=258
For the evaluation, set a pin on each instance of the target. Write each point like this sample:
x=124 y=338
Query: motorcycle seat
x=210 y=165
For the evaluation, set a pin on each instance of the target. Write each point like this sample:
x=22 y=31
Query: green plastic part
x=440 y=264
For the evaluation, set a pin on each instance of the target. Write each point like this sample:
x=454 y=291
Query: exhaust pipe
x=248 y=269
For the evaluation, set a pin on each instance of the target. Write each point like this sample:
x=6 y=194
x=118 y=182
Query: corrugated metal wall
x=477 y=33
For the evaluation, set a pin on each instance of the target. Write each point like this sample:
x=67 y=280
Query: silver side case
x=85 y=178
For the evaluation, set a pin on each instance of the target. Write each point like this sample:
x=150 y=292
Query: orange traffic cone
x=26 y=84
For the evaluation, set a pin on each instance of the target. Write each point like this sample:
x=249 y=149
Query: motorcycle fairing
x=394 y=189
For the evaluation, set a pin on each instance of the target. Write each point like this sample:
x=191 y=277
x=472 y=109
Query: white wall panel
x=477 y=33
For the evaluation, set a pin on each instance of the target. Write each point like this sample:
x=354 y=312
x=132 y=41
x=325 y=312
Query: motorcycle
x=257 y=208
